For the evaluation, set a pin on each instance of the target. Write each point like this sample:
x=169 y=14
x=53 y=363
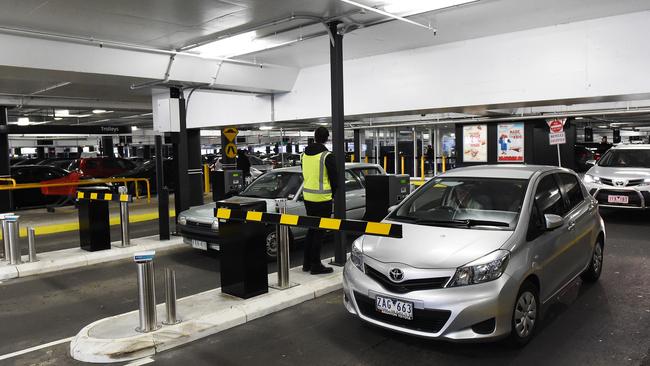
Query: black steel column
x=6 y=202
x=163 y=193
x=179 y=139
x=357 y=146
x=338 y=135
x=195 y=168
x=40 y=152
x=107 y=146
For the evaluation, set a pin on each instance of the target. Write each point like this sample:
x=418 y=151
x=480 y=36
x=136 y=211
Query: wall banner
x=510 y=142
x=475 y=144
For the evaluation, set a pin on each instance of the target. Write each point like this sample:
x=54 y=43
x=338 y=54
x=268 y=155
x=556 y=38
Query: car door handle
x=572 y=225
x=363 y=196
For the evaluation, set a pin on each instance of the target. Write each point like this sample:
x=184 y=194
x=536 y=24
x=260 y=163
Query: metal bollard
x=124 y=218
x=31 y=236
x=13 y=234
x=146 y=292
x=282 y=235
x=5 y=235
x=170 y=297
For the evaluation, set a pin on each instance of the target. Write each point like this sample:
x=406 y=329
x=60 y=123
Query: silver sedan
x=483 y=249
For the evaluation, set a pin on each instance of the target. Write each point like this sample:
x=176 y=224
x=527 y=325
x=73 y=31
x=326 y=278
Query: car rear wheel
x=592 y=273
x=272 y=243
x=525 y=315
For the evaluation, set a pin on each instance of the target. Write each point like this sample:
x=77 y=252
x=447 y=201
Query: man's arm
x=330 y=165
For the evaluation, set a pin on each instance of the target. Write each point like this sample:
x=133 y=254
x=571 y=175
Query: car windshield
x=275 y=185
x=628 y=158
x=485 y=203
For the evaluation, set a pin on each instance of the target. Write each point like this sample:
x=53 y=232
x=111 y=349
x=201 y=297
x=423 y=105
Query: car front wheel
x=592 y=273
x=525 y=315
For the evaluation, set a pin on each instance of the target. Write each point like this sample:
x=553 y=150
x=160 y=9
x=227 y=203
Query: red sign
x=556 y=125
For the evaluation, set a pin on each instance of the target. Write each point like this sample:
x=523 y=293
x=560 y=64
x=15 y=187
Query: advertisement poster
x=475 y=144
x=510 y=142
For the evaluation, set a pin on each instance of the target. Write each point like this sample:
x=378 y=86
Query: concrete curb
x=114 y=340
x=75 y=258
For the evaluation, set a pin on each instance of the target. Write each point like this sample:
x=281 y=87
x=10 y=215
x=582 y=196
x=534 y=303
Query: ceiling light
x=62 y=112
x=58 y=118
x=602 y=126
x=323 y=123
x=266 y=128
x=23 y=121
x=579 y=117
x=134 y=128
x=235 y=45
x=99 y=111
x=412 y=7
x=385 y=13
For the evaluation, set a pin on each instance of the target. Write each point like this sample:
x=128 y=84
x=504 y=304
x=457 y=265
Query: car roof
x=631 y=147
x=347 y=166
x=514 y=171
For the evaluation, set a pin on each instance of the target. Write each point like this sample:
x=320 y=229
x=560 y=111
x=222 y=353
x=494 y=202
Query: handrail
x=83 y=183
x=11 y=180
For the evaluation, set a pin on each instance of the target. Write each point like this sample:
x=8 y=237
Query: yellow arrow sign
x=231 y=150
x=230 y=133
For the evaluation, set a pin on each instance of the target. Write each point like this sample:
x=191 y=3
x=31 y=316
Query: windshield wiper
x=465 y=223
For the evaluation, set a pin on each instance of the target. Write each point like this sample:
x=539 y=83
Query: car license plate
x=618 y=199
x=398 y=308
x=196 y=244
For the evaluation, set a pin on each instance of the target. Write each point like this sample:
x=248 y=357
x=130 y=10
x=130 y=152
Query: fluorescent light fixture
x=134 y=128
x=385 y=13
x=266 y=128
x=99 y=111
x=23 y=121
x=602 y=126
x=579 y=117
x=58 y=118
x=412 y=7
x=236 y=45
x=323 y=123
x=62 y=112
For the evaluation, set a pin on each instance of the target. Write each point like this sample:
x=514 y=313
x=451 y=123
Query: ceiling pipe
x=420 y=122
x=117 y=45
x=165 y=79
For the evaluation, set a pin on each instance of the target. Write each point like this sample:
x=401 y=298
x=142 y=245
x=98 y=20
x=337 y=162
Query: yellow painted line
x=253 y=216
x=223 y=213
x=289 y=219
x=331 y=224
x=74 y=226
x=377 y=228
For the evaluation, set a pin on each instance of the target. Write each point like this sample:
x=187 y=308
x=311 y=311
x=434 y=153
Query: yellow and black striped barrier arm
x=312 y=222
x=103 y=196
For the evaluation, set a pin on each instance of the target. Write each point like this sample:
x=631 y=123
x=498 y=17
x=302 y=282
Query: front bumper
x=455 y=313
x=638 y=196
x=200 y=232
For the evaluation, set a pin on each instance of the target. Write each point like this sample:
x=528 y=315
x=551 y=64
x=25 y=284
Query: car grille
x=630 y=183
x=430 y=321
x=405 y=286
x=634 y=200
x=198 y=224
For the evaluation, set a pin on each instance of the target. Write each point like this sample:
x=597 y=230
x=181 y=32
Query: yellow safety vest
x=316 y=186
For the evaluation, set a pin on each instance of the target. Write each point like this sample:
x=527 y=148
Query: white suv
x=621 y=178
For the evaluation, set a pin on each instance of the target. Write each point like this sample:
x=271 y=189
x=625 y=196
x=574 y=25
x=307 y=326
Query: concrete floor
x=607 y=323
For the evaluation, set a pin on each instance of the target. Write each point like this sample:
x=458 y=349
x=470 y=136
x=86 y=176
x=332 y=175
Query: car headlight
x=591 y=179
x=215 y=224
x=356 y=254
x=485 y=269
x=182 y=220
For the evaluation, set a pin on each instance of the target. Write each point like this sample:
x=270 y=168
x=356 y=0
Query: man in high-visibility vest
x=319 y=174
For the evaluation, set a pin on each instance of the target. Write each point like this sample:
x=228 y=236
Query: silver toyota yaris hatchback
x=483 y=249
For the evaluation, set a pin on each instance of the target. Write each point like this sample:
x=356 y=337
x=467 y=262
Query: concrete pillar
x=6 y=202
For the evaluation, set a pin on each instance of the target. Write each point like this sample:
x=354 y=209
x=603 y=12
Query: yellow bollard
x=352 y=159
x=422 y=167
x=444 y=164
x=365 y=159
x=385 y=162
x=206 y=178
x=402 y=164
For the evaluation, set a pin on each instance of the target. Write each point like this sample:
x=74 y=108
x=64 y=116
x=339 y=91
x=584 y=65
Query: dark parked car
x=583 y=155
x=284 y=160
x=62 y=163
x=34 y=197
x=101 y=167
x=148 y=171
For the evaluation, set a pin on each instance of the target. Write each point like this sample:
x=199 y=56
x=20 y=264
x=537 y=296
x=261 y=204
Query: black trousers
x=314 y=239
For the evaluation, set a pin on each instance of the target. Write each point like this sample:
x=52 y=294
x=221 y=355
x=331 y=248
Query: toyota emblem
x=396 y=274
x=619 y=183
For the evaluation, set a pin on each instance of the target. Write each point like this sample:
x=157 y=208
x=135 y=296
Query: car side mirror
x=590 y=162
x=552 y=222
x=392 y=208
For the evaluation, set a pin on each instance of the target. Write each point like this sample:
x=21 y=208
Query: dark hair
x=321 y=135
